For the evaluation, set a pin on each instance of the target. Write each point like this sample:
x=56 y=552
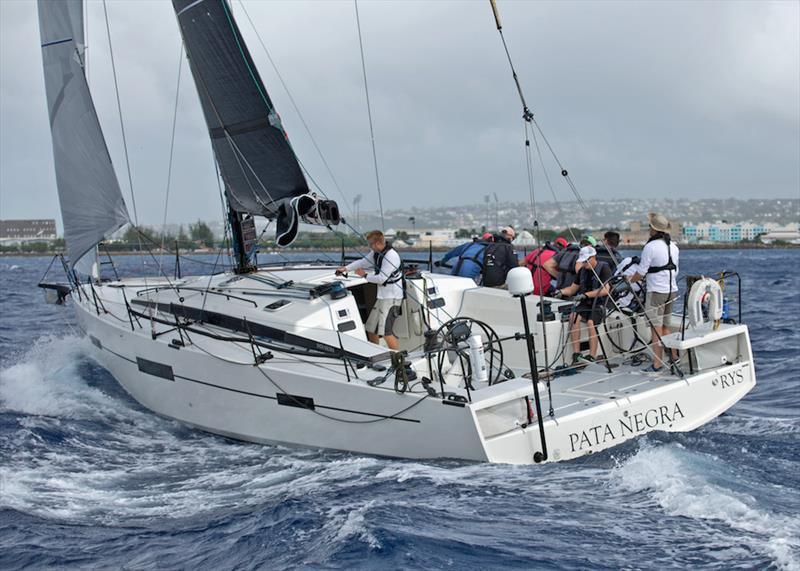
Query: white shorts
x=658 y=307
x=381 y=318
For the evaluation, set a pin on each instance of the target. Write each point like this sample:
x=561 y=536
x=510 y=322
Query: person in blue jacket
x=469 y=263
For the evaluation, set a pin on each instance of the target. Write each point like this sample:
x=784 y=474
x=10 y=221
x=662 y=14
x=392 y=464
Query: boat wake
x=80 y=451
x=699 y=486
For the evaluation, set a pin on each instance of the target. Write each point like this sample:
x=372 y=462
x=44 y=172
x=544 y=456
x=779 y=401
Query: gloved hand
x=581 y=297
x=437 y=264
x=558 y=294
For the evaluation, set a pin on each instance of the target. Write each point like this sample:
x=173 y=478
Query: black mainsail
x=258 y=166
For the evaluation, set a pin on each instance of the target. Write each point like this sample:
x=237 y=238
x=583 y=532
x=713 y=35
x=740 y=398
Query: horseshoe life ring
x=704 y=291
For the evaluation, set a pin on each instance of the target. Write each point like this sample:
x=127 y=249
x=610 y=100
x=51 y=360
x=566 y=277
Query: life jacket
x=670 y=265
x=589 y=277
x=567 y=262
x=532 y=265
x=608 y=255
x=474 y=253
x=494 y=270
x=377 y=260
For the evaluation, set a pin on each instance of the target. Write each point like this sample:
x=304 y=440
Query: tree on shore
x=201 y=233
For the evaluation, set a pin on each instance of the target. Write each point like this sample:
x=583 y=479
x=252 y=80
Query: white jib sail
x=92 y=206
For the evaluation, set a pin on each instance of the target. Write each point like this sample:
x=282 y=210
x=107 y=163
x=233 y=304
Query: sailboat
x=278 y=354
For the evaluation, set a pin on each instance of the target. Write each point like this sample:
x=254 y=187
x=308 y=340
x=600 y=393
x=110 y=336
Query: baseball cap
x=590 y=239
x=586 y=253
x=561 y=242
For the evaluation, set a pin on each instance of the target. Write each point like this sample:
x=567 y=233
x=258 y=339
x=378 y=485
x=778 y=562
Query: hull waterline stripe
x=271 y=397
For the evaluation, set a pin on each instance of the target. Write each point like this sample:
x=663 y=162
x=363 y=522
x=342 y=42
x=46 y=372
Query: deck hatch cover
x=295 y=401
x=155 y=369
x=346 y=326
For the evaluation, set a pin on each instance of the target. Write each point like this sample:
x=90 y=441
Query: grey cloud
x=639 y=99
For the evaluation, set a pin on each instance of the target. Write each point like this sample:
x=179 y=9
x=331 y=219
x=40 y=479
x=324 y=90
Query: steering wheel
x=450 y=341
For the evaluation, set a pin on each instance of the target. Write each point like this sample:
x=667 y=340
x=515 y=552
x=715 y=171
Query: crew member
x=590 y=290
x=659 y=263
x=383 y=268
x=535 y=262
x=607 y=251
x=562 y=266
x=470 y=259
x=499 y=258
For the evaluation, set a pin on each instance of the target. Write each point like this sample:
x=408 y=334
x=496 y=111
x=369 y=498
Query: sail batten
x=256 y=161
x=92 y=206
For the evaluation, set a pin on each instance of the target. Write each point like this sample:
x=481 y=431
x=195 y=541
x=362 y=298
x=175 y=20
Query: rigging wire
x=369 y=114
x=121 y=122
x=527 y=116
x=171 y=150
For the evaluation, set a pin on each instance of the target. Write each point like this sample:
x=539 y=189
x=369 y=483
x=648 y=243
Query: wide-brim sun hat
x=586 y=253
x=658 y=222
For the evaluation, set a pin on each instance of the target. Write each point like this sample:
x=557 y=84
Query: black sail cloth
x=258 y=166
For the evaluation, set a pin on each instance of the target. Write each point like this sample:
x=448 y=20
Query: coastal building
x=725 y=233
x=19 y=231
x=639 y=233
x=789 y=233
x=436 y=238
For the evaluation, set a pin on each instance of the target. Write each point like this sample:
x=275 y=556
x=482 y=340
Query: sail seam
x=192 y=5
x=55 y=42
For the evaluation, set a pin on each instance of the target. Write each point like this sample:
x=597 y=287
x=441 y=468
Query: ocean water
x=89 y=479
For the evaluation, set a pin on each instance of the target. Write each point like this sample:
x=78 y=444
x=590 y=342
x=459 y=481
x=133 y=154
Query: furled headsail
x=258 y=166
x=92 y=206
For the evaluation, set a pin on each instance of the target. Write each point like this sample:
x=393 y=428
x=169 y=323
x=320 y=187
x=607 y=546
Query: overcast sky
x=639 y=99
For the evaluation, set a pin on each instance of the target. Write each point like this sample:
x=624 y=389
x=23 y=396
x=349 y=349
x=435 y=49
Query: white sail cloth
x=92 y=206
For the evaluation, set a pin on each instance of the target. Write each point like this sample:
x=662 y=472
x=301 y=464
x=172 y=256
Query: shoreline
x=628 y=248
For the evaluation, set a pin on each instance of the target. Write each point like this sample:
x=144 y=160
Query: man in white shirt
x=383 y=268
x=659 y=263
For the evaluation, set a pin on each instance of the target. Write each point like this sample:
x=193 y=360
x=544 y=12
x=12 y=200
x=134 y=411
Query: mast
x=243 y=237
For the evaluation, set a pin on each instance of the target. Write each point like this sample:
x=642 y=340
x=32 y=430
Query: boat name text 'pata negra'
x=633 y=424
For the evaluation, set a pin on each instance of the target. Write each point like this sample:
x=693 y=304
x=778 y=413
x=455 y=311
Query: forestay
x=92 y=206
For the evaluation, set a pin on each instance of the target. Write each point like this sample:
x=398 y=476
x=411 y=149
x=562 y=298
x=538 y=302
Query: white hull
x=290 y=399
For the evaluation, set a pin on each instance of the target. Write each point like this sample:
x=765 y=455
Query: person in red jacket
x=535 y=263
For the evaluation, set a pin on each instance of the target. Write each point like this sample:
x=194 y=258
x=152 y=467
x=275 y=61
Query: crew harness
x=670 y=265
x=396 y=275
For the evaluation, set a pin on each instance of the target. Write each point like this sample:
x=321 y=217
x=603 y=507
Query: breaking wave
x=701 y=487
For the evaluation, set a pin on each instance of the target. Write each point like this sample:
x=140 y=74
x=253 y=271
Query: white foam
x=682 y=483
x=349 y=522
x=125 y=464
x=45 y=381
